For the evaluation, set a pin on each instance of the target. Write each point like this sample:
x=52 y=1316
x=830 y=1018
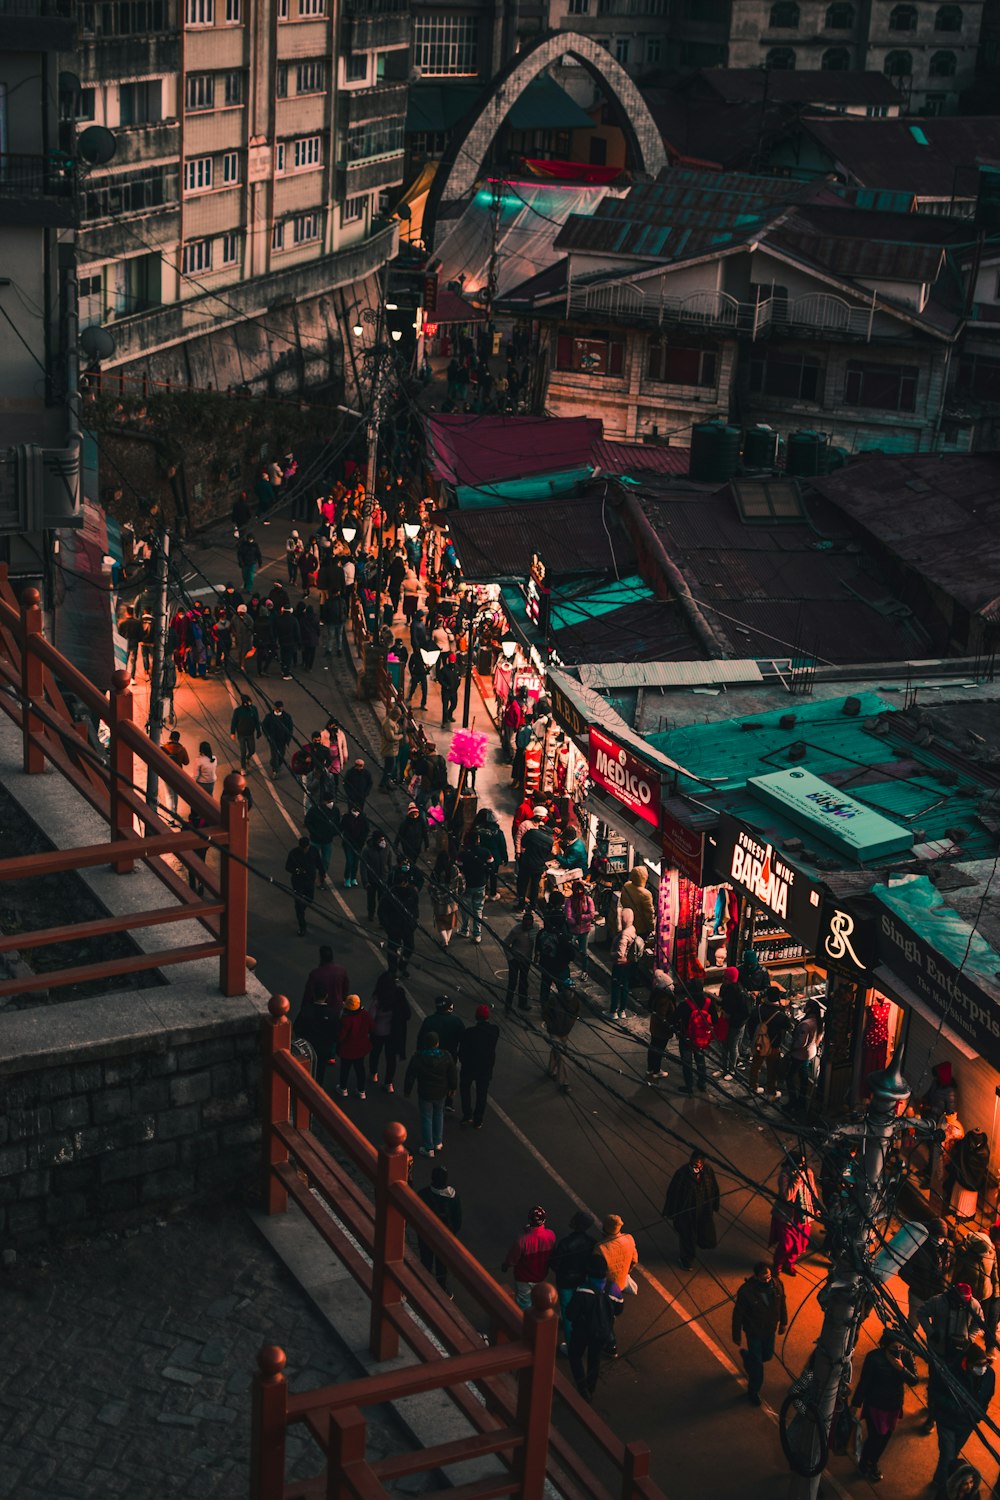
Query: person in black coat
x=592 y=1327
x=885 y=1374
x=448 y=680
x=691 y=1204
x=305 y=866
x=399 y=912
x=289 y=636
x=759 y=1312
x=277 y=728
x=442 y=1200
x=357 y=784
x=958 y=1406
x=477 y=1052
x=570 y=1262
x=319 y=1023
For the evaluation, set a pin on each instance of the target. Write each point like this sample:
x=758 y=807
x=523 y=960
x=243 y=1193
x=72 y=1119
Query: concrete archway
x=462 y=163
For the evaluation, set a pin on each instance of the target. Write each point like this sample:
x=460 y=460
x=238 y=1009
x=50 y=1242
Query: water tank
x=760 y=447
x=715 y=451
x=836 y=458
x=805 y=454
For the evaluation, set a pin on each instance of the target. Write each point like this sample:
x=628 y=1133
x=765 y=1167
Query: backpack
x=552 y=949
x=700 y=1030
x=636 y=949
x=762 y=1041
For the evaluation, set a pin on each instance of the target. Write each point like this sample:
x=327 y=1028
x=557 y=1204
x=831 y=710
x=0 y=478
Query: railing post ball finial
x=271 y=1362
x=544 y=1298
x=234 y=785
x=121 y=681
x=278 y=1007
x=30 y=597
x=394 y=1137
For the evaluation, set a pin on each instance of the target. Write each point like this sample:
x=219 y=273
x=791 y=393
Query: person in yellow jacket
x=637 y=900
x=618 y=1251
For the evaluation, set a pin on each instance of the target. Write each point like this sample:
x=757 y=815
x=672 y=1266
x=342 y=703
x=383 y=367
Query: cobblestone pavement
x=127 y=1363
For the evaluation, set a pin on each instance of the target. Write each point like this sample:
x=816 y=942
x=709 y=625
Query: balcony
x=139 y=144
x=369 y=173
x=137 y=336
x=385 y=100
x=37 y=26
x=367 y=25
x=102 y=58
x=816 y=313
x=37 y=191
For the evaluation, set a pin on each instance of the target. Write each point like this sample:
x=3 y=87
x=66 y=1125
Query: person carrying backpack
x=553 y=951
x=695 y=1031
x=628 y=950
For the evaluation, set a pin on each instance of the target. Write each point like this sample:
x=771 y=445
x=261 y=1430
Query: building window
x=355 y=67
x=375 y=138
x=121 y=17
x=278 y=236
x=781 y=58
x=128 y=193
x=281 y=81
x=884 y=387
x=836 y=60
x=943 y=65
x=579 y=7
x=89 y=286
x=230 y=248
x=305 y=227
x=899 y=65
x=877 y=111
x=233 y=88
x=785 y=15
x=234 y=12
x=593 y=354
x=446 y=45
x=199 y=12
x=840 y=17
x=353 y=209
x=310 y=77
x=197 y=257
x=654 y=49
x=281 y=10
x=978 y=376
x=231 y=167
x=791 y=377
x=78 y=105
x=140 y=103
x=935 y=104
x=903 y=18
x=678 y=366
x=279 y=157
x=307 y=151
x=309 y=8
x=198 y=174
x=948 y=18
x=622 y=49
x=200 y=91
x=428 y=143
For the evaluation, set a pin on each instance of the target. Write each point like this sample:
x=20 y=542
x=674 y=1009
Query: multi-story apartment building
x=240 y=220
x=928 y=49
x=761 y=301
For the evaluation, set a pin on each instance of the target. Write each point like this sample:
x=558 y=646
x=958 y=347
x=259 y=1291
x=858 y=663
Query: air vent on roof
x=767 y=499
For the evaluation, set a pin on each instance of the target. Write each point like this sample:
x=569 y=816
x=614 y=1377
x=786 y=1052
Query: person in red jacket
x=354 y=1044
x=529 y=1256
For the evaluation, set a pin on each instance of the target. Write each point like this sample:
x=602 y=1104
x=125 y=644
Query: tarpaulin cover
x=451 y=308
x=573 y=171
x=482 y=450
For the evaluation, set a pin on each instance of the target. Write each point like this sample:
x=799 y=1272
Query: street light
x=357 y=330
x=411 y=530
x=508 y=646
x=397 y=334
x=348 y=532
x=430 y=656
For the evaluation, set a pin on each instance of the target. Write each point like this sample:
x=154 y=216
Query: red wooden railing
x=358 y=1200
x=33 y=676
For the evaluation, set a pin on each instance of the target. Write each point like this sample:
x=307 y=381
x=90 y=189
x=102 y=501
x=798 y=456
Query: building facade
x=241 y=216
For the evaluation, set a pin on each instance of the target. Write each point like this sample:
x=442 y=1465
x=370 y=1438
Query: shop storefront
x=695 y=915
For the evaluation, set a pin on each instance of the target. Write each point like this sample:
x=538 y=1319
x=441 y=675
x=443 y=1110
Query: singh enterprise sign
x=955 y=997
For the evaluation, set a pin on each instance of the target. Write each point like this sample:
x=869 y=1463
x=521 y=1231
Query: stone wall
x=127 y=1129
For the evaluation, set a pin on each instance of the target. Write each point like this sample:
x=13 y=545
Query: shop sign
x=841 y=820
x=565 y=711
x=683 y=847
x=625 y=777
x=847 y=939
x=958 y=1000
x=757 y=869
x=537 y=595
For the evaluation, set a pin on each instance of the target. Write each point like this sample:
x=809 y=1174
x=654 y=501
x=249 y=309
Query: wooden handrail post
x=636 y=1467
x=389 y=1242
x=267 y=1425
x=32 y=681
x=122 y=764
x=275 y=1097
x=534 y=1392
x=345 y=1451
x=234 y=886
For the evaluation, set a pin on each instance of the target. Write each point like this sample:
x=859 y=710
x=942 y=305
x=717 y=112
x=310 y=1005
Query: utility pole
x=496 y=205
x=470 y=647
x=160 y=626
x=843 y=1299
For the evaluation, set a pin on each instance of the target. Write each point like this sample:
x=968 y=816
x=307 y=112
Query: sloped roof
x=631 y=458
x=466 y=449
x=569 y=534
x=812 y=86
x=890 y=153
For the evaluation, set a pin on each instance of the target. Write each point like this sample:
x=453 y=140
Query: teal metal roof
x=882 y=771
x=599 y=601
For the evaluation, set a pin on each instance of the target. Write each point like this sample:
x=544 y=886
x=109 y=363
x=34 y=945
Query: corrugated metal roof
x=569 y=534
x=620 y=676
x=630 y=458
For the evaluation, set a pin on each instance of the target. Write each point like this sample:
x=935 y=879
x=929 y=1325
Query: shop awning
x=545 y=106
x=573 y=171
x=451 y=308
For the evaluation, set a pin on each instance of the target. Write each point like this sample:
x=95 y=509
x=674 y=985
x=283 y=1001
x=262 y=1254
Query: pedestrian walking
x=477 y=865
x=695 y=1030
x=245 y=727
x=533 y=844
x=736 y=1006
x=329 y=979
x=885 y=1374
x=206 y=768
x=976 y=1265
x=959 y=1405
x=795 y=1210
x=950 y=1322
x=807 y=1037
x=354 y=1044
x=638 y=900
x=691 y=1204
x=294 y=548
x=391 y=1013
x=447 y=884
x=581 y=915
x=477 y=1050
x=319 y=1023
x=412 y=838
x=432 y=1072
x=770 y=1028
x=391 y=734
x=449 y=1028
x=529 y=1256
x=759 y=1313
x=519 y=946
x=561 y=1012
x=289 y=638
x=964 y=1483
x=442 y=1199
x=305 y=867
x=322 y=824
x=590 y=1315
x=178 y=754
x=377 y=861
x=628 y=950
x=354 y=830
x=662 y=1013
x=570 y=1263
x=553 y=949
x=493 y=839
x=357 y=783
x=249 y=558
x=448 y=681
x=399 y=913
x=278 y=729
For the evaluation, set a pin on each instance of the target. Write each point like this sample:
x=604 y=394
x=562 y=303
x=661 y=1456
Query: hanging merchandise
x=532 y=767
x=666 y=900
x=686 y=938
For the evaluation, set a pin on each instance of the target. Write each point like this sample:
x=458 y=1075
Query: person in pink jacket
x=581 y=914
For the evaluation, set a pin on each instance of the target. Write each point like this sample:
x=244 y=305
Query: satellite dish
x=96 y=145
x=97 y=343
x=69 y=83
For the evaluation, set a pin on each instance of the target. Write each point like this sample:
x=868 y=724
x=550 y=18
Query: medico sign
x=625 y=777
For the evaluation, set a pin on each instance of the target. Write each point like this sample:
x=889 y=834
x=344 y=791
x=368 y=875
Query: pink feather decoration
x=468 y=749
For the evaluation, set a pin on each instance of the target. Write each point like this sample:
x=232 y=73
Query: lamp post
x=377 y=357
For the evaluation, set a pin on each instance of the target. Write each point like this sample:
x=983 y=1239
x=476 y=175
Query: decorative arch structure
x=462 y=163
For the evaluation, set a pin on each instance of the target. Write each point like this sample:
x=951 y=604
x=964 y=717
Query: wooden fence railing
x=34 y=677
x=520 y=1410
